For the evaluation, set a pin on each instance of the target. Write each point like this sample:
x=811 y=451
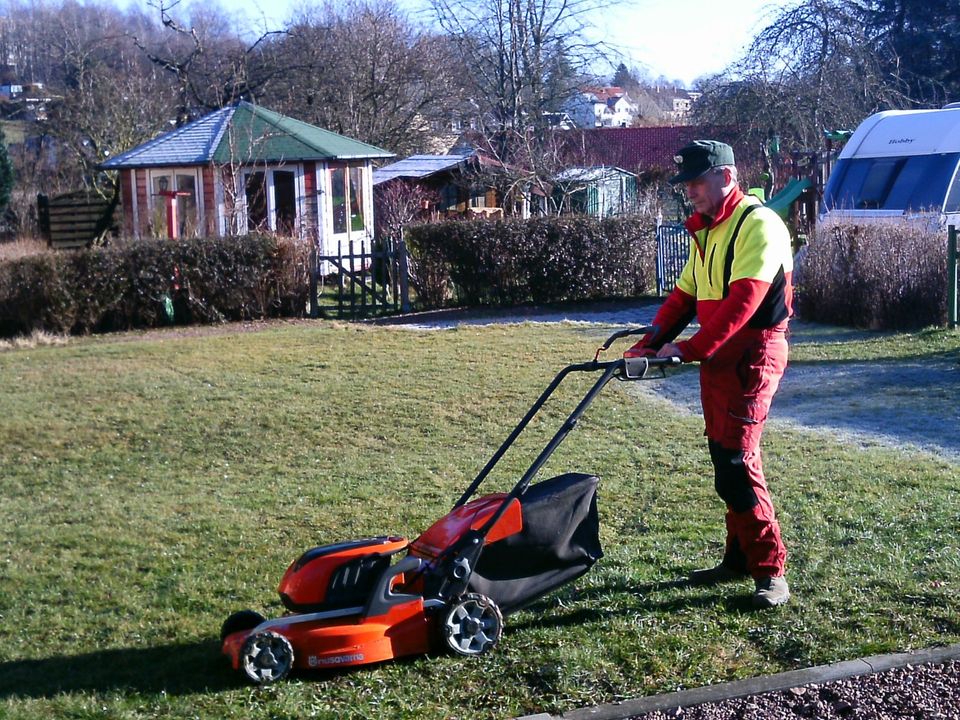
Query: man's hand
x=669 y=350
x=639 y=350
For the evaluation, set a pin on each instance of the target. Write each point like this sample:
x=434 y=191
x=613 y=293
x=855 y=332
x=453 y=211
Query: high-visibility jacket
x=737 y=276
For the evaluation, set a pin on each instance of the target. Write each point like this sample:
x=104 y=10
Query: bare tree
x=210 y=65
x=512 y=48
x=101 y=97
x=394 y=89
x=813 y=67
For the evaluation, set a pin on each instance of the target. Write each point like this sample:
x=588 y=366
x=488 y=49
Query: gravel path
x=904 y=404
x=914 y=692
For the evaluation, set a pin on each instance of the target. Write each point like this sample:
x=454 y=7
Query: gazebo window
x=478 y=197
x=285 y=195
x=256 y=192
x=449 y=196
x=346 y=191
x=272 y=200
x=183 y=180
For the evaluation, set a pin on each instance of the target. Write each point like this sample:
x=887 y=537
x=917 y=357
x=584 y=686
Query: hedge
x=146 y=283
x=511 y=261
x=890 y=276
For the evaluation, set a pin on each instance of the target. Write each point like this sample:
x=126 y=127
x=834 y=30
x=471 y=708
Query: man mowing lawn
x=737 y=282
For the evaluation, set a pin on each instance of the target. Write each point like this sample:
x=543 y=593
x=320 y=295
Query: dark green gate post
x=952 y=277
x=314 y=273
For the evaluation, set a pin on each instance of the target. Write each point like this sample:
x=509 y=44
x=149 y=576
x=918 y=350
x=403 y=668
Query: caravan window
x=905 y=183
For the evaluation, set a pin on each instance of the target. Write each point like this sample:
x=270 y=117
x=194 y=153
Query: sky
x=677 y=39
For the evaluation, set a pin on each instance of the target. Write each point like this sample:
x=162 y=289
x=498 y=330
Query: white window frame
x=154 y=201
x=366 y=182
x=268 y=171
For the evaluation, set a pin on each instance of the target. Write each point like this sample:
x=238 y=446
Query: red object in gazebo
x=173 y=225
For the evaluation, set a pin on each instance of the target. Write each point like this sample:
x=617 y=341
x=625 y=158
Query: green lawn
x=154 y=483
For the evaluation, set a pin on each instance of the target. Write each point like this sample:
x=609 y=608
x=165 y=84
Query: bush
x=888 y=276
x=135 y=284
x=511 y=261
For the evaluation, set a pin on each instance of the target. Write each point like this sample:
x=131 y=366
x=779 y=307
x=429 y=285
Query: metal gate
x=361 y=280
x=673 y=248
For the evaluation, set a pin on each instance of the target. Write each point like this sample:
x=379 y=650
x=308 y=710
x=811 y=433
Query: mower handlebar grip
x=638 y=368
x=625 y=333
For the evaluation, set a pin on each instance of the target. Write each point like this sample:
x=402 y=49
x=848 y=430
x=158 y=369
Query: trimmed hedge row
x=146 y=283
x=890 y=276
x=511 y=261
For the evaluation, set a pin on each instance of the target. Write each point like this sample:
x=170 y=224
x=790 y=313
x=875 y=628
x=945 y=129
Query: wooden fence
x=361 y=280
x=74 y=220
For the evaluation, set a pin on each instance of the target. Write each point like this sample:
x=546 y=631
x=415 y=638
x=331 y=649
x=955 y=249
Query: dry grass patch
x=23 y=247
x=34 y=339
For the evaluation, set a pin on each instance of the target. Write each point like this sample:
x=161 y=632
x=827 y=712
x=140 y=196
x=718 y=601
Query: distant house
x=24 y=101
x=606 y=107
x=456 y=183
x=596 y=191
x=247 y=169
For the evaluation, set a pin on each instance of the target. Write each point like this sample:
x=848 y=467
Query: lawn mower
x=375 y=599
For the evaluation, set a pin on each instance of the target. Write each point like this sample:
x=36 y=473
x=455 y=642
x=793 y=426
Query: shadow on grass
x=647 y=597
x=182 y=669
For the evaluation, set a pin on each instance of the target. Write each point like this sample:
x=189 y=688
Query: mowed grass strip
x=153 y=484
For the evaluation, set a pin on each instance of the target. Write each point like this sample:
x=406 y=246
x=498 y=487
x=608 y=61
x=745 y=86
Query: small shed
x=454 y=180
x=245 y=169
x=596 y=191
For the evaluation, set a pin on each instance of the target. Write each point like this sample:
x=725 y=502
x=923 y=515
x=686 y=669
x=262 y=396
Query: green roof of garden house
x=244 y=133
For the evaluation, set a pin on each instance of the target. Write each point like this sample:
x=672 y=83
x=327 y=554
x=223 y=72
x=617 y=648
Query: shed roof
x=418 y=166
x=244 y=133
x=592 y=174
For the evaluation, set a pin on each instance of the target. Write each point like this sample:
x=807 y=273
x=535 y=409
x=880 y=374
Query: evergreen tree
x=6 y=174
x=917 y=42
x=560 y=80
x=623 y=77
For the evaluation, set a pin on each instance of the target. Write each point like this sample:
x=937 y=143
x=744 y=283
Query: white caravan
x=899 y=163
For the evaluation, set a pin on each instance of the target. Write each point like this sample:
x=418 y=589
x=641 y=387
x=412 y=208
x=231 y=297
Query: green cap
x=695 y=159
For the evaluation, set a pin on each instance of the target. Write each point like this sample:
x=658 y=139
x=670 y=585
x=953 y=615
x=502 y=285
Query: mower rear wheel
x=472 y=625
x=266 y=657
x=241 y=620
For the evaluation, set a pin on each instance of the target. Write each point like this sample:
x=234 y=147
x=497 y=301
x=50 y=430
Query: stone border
x=756 y=686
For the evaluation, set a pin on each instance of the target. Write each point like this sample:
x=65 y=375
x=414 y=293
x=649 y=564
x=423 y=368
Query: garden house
x=459 y=184
x=596 y=191
x=246 y=169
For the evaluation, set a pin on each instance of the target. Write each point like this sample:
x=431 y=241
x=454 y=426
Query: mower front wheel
x=266 y=657
x=473 y=624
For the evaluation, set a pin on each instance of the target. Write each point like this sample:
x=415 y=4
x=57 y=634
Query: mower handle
x=624 y=333
x=638 y=368
x=621 y=369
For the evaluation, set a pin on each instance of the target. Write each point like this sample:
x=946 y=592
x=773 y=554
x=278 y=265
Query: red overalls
x=737 y=282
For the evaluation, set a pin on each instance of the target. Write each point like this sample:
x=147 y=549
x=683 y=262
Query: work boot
x=771 y=591
x=722 y=573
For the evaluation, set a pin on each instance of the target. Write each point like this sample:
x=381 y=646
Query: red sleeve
x=673 y=316
x=733 y=313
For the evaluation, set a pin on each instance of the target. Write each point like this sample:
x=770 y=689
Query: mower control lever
x=639 y=368
x=651 y=329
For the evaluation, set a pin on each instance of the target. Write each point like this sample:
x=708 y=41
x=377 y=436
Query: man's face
x=706 y=192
